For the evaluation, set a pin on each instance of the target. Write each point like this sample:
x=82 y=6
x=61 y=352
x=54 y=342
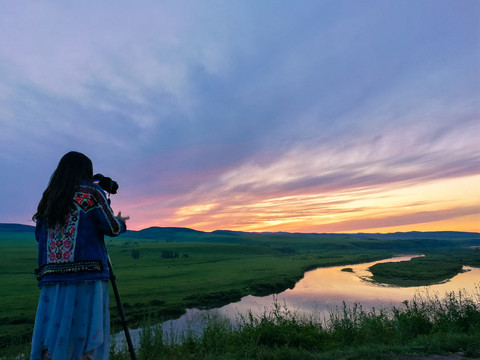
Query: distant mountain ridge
x=156 y=232
x=395 y=235
x=7 y=227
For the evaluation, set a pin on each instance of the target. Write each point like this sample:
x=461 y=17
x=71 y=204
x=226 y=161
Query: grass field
x=424 y=325
x=159 y=277
x=433 y=268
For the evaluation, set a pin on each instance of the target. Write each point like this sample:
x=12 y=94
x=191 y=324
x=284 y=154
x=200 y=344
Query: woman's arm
x=110 y=224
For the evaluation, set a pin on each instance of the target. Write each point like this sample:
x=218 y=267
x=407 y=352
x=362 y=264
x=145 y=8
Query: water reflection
x=319 y=292
x=325 y=288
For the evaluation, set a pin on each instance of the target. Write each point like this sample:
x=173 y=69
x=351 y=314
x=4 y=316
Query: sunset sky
x=253 y=115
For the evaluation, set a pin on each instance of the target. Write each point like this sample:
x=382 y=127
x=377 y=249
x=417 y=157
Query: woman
x=73 y=318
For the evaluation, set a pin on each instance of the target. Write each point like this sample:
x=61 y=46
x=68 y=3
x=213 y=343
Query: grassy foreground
x=425 y=325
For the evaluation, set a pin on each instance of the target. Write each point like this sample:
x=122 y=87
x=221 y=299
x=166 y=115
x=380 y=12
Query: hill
x=16 y=228
x=179 y=234
x=399 y=241
x=412 y=235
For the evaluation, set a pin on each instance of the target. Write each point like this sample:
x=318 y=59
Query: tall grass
x=425 y=324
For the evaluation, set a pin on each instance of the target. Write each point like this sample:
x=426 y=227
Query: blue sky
x=249 y=115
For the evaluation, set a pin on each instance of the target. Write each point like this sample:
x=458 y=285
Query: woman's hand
x=124 y=219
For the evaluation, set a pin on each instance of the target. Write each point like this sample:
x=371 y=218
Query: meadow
x=162 y=272
x=434 y=268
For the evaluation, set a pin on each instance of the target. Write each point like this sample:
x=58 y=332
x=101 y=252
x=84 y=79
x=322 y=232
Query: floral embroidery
x=61 y=239
x=84 y=200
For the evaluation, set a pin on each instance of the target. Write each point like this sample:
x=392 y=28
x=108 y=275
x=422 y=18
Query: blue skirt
x=73 y=319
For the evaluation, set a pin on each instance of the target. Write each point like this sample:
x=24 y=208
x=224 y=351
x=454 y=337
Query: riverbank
x=318 y=294
x=446 y=326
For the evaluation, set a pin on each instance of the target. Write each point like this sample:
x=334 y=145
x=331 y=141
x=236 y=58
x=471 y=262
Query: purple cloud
x=188 y=103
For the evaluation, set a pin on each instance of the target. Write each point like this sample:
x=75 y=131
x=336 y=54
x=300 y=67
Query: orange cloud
x=449 y=204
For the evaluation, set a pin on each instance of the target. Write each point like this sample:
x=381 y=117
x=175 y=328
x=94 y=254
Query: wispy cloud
x=202 y=111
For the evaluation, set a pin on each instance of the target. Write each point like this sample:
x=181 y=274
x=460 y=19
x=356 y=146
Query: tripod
x=120 y=311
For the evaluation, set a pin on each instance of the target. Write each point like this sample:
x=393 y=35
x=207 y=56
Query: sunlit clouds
x=311 y=116
x=406 y=205
x=350 y=211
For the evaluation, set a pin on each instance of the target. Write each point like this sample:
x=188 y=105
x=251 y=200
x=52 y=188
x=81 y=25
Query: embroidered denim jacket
x=75 y=250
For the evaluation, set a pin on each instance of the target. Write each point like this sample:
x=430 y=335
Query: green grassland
x=162 y=272
x=431 y=269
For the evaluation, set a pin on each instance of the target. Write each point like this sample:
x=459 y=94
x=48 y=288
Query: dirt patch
x=455 y=356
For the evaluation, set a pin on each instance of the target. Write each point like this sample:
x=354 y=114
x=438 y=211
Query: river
x=320 y=292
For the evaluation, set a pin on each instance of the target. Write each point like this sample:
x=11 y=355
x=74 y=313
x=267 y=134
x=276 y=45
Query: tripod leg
x=121 y=311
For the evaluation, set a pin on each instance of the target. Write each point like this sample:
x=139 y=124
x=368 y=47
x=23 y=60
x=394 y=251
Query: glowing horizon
x=414 y=208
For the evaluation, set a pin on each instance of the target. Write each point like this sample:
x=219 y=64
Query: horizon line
x=288 y=232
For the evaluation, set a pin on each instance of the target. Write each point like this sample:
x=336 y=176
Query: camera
x=106 y=183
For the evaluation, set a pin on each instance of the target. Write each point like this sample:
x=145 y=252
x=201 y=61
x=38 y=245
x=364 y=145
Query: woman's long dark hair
x=57 y=199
